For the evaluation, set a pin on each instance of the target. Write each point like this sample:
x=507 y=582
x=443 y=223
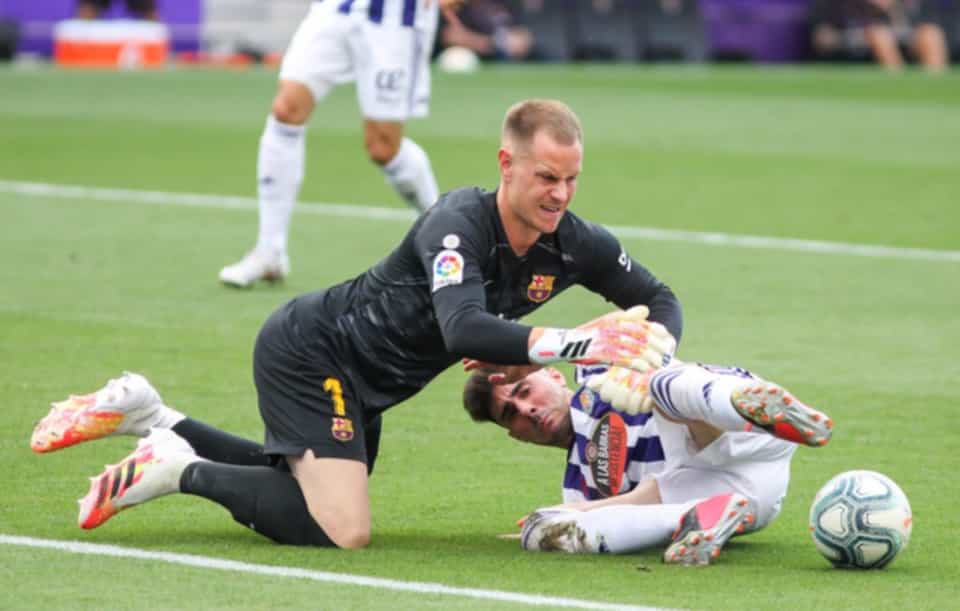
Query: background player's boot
x=775 y=410
x=151 y=471
x=128 y=405
x=552 y=531
x=256 y=266
x=707 y=527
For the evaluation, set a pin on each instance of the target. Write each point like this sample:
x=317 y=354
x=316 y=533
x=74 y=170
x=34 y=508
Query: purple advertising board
x=758 y=30
x=37 y=18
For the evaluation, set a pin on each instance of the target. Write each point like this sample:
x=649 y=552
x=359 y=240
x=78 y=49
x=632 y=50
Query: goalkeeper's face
x=538 y=182
x=536 y=409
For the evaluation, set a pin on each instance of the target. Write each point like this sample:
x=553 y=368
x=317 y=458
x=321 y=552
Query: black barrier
x=9 y=36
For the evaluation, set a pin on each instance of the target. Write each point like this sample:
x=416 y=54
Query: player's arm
x=646 y=492
x=452 y=251
x=614 y=274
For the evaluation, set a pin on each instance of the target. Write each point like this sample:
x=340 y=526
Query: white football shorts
x=756 y=465
x=389 y=62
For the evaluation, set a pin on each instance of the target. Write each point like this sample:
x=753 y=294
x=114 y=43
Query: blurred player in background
x=93 y=9
x=328 y=363
x=884 y=24
x=382 y=45
x=489 y=29
x=712 y=459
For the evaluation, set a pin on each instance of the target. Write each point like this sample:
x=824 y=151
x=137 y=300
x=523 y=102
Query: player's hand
x=625 y=389
x=500 y=374
x=625 y=338
x=561 y=507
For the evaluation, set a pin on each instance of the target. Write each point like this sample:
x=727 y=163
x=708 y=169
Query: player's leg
x=884 y=46
x=336 y=495
x=153 y=470
x=393 y=85
x=281 y=160
x=130 y=405
x=404 y=163
x=313 y=418
x=737 y=482
x=605 y=526
x=696 y=529
x=267 y=500
x=323 y=502
x=127 y=405
x=930 y=46
x=731 y=399
x=707 y=526
x=315 y=61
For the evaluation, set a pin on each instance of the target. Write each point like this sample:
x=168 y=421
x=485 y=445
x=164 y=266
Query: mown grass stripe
x=398 y=214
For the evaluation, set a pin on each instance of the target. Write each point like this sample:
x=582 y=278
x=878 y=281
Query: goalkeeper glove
x=622 y=338
x=625 y=389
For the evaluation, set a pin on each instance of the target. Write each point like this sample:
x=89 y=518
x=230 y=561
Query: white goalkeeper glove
x=621 y=338
x=625 y=389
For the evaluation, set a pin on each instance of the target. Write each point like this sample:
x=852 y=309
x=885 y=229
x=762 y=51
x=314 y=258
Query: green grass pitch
x=92 y=287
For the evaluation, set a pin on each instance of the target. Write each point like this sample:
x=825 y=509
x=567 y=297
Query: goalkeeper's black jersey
x=452 y=288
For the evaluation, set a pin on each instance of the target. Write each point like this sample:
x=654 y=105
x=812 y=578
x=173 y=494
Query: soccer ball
x=458 y=60
x=860 y=519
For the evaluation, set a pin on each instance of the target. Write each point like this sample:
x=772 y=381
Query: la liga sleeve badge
x=447 y=269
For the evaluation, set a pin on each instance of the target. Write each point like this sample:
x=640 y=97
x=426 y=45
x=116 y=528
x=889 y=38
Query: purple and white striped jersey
x=421 y=14
x=611 y=452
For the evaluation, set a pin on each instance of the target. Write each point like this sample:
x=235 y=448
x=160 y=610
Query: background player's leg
x=930 y=46
x=405 y=165
x=280 y=163
x=280 y=170
x=336 y=494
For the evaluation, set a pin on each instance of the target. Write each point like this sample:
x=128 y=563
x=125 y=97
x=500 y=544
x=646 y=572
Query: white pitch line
x=34 y=189
x=220 y=564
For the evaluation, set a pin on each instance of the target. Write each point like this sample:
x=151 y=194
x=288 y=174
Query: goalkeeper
x=329 y=363
x=687 y=455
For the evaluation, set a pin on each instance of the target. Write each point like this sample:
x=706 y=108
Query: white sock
x=166 y=417
x=623 y=529
x=410 y=175
x=280 y=168
x=693 y=393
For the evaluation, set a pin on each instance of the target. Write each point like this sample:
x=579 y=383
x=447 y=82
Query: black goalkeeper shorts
x=305 y=400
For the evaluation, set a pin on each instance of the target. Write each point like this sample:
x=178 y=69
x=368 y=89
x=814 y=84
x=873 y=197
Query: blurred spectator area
x=562 y=30
x=210 y=25
x=686 y=30
x=36 y=19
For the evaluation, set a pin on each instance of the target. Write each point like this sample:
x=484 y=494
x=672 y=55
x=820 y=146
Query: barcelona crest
x=342 y=429
x=540 y=287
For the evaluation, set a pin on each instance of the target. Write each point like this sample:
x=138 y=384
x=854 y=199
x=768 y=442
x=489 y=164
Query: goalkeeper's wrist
x=555 y=345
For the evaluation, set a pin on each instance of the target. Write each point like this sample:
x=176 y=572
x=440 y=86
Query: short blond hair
x=524 y=119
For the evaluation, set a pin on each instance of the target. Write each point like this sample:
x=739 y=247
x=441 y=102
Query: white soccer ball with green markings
x=860 y=519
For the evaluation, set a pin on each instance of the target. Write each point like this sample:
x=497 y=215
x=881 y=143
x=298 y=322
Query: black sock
x=371 y=436
x=264 y=499
x=220 y=446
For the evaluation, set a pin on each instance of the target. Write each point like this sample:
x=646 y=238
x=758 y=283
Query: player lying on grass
x=180 y=454
x=711 y=460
